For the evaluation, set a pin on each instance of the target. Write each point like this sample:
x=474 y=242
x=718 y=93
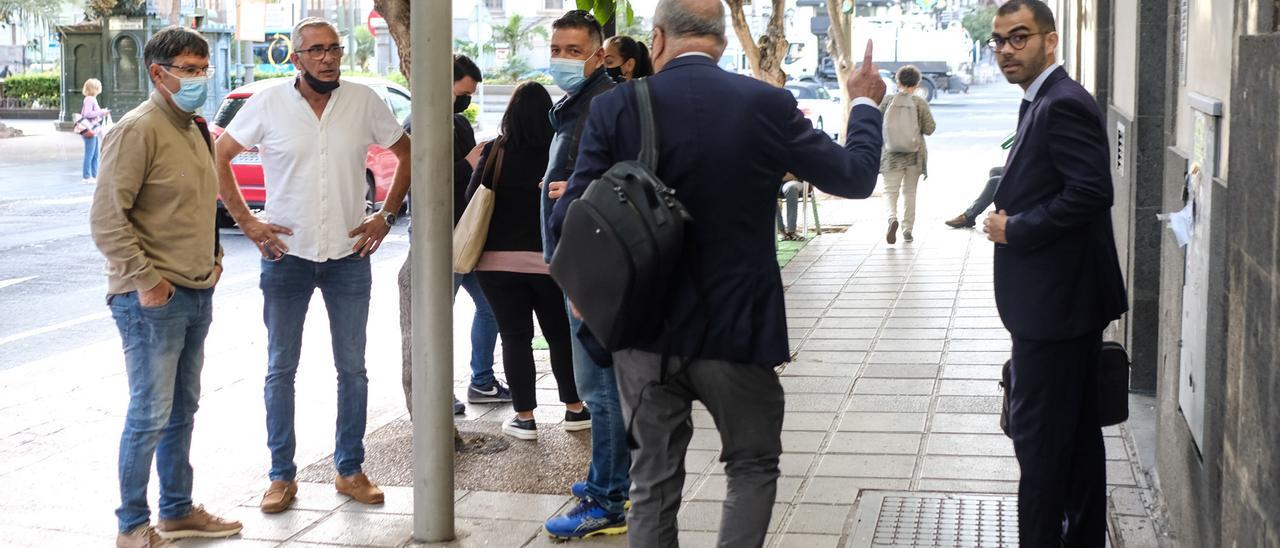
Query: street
x=62 y=388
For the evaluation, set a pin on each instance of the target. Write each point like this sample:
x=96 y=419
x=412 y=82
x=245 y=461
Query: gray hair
x=296 y=36
x=678 y=19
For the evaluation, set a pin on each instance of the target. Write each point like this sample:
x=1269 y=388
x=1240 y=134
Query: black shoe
x=493 y=393
x=520 y=429
x=458 y=407
x=580 y=420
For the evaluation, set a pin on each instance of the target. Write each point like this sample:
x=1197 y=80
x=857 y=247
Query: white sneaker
x=88 y=181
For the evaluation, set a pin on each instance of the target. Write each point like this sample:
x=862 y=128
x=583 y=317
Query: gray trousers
x=746 y=402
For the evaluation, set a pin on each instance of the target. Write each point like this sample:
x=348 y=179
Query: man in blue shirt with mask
x=577 y=65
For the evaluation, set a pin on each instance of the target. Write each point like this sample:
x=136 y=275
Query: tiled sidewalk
x=893 y=387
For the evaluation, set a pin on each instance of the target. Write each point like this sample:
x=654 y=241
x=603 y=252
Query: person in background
x=94 y=115
x=791 y=193
x=484 y=387
x=153 y=219
x=902 y=170
x=578 y=66
x=969 y=217
x=511 y=271
x=626 y=58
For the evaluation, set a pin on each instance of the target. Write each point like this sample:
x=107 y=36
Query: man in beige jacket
x=153 y=220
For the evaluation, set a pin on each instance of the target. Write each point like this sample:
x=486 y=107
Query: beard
x=1029 y=69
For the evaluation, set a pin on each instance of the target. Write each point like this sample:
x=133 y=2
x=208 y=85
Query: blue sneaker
x=579 y=491
x=587 y=519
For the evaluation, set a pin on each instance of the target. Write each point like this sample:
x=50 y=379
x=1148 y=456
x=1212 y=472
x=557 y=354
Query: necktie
x=1023 y=110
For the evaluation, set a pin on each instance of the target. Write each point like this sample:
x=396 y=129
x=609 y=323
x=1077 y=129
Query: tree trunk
x=396 y=12
x=838 y=45
x=765 y=56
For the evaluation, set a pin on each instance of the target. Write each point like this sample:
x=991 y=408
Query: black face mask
x=615 y=73
x=460 y=103
x=320 y=86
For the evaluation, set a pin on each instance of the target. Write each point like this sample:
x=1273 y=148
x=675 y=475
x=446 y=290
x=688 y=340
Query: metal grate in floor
x=903 y=519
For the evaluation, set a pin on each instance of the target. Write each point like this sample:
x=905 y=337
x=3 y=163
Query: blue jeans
x=609 y=475
x=484 y=330
x=89 y=168
x=987 y=195
x=287 y=286
x=163 y=356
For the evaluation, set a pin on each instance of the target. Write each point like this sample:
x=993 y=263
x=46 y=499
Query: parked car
x=818 y=105
x=380 y=164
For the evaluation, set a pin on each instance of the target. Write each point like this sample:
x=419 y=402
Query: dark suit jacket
x=1058 y=277
x=725 y=143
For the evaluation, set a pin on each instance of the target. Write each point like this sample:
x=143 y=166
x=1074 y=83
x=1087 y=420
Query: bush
x=37 y=88
x=472 y=113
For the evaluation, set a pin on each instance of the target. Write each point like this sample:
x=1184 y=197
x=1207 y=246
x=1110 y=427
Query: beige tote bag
x=473 y=228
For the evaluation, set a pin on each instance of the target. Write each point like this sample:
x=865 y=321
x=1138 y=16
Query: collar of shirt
x=1034 y=88
x=696 y=53
x=180 y=119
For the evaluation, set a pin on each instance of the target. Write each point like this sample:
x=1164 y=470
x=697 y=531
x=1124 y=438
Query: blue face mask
x=192 y=94
x=568 y=73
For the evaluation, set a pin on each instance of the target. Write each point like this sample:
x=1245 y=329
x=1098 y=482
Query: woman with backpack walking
x=907 y=120
x=511 y=269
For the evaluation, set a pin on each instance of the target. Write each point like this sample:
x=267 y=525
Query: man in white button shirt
x=313 y=134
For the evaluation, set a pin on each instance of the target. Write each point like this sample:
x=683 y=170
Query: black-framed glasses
x=185 y=71
x=317 y=53
x=1015 y=41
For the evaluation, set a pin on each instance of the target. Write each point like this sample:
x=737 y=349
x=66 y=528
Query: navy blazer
x=726 y=141
x=1058 y=277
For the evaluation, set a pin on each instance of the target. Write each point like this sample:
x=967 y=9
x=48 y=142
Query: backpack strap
x=648 y=126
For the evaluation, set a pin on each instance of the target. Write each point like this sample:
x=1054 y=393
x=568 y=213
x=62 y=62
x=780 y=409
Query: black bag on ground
x=621 y=242
x=1113 y=387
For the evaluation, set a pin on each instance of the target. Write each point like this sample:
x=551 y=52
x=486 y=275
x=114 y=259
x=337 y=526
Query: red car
x=380 y=164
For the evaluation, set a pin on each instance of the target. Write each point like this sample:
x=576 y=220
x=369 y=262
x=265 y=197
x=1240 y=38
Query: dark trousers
x=515 y=298
x=746 y=402
x=1053 y=419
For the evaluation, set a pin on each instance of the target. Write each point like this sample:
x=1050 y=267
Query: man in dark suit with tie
x=725 y=142
x=1057 y=283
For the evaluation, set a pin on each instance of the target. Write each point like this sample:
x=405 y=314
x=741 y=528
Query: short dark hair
x=463 y=67
x=630 y=48
x=580 y=19
x=1039 y=11
x=171 y=42
x=525 y=124
x=908 y=76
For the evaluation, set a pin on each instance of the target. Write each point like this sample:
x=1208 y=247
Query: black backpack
x=620 y=244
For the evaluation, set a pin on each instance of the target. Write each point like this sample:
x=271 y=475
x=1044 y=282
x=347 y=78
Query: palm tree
x=517 y=36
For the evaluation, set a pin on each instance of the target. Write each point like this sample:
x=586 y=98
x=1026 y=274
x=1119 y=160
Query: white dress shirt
x=314 y=168
x=1034 y=89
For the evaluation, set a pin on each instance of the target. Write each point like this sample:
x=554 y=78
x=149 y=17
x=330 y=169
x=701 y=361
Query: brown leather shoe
x=891 y=236
x=962 y=221
x=358 y=486
x=279 y=497
x=144 y=536
x=198 y=523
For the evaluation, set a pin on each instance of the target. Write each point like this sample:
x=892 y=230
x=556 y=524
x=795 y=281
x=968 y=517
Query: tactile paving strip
x=902 y=519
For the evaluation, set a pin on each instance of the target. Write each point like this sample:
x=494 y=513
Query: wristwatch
x=389 y=217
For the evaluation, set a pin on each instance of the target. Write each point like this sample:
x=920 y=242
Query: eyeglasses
x=184 y=71
x=317 y=53
x=1015 y=41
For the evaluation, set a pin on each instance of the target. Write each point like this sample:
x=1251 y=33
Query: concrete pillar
x=432 y=243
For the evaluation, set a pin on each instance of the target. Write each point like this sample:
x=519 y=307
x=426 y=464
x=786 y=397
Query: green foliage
x=398 y=78
x=606 y=10
x=472 y=113
x=517 y=36
x=12 y=11
x=978 y=23
x=364 y=46
x=471 y=49
x=269 y=75
x=637 y=29
x=41 y=88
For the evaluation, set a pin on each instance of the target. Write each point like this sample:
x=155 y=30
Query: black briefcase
x=1113 y=387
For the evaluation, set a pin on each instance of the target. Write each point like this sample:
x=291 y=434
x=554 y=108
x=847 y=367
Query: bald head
x=684 y=26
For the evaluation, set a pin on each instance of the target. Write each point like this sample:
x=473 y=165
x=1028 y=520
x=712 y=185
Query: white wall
x=1210 y=47
x=1124 y=57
